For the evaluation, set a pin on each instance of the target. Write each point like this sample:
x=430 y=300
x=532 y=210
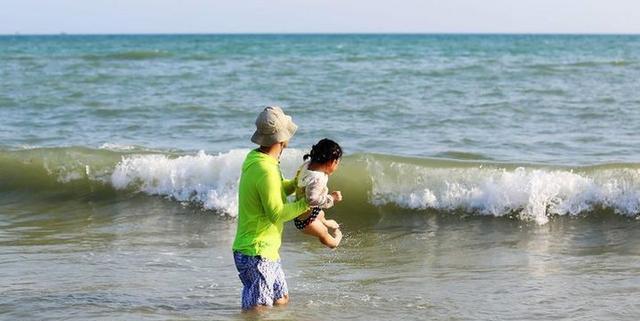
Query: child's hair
x=325 y=150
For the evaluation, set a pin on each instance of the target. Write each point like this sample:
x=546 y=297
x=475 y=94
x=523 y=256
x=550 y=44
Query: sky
x=318 y=16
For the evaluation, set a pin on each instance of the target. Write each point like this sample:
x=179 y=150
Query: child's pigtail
x=324 y=151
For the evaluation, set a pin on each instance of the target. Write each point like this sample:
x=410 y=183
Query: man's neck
x=274 y=150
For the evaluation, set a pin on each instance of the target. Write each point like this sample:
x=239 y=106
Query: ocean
x=485 y=177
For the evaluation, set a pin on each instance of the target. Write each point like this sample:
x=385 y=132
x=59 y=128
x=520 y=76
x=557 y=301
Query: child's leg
x=331 y=224
x=319 y=230
x=334 y=240
x=328 y=223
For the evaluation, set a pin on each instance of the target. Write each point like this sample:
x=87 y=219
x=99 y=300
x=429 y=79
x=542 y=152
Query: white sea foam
x=532 y=193
x=116 y=147
x=211 y=180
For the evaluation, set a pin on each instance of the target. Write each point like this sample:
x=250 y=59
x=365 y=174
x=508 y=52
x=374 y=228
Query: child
x=312 y=178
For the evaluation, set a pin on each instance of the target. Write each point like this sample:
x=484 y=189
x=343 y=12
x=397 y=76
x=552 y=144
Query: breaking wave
x=525 y=191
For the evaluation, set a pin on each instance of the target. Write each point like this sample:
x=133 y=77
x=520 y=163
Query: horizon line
x=324 y=33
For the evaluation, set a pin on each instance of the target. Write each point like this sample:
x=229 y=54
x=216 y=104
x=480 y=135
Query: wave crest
x=211 y=180
x=368 y=181
x=532 y=194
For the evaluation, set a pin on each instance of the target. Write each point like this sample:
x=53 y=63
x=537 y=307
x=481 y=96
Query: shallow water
x=152 y=259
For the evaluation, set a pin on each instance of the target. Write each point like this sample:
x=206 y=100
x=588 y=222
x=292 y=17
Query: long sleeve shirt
x=263 y=207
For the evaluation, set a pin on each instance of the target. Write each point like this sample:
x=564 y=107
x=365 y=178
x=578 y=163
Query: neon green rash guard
x=263 y=207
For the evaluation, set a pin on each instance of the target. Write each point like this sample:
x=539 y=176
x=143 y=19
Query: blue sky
x=316 y=16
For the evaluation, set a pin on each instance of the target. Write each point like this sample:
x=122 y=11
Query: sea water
x=485 y=177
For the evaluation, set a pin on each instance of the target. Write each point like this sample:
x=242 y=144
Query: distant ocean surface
x=486 y=176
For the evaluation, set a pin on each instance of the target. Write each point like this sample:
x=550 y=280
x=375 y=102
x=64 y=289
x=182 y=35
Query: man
x=262 y=211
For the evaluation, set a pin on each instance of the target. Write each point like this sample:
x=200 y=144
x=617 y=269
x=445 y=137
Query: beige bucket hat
x=273 y=126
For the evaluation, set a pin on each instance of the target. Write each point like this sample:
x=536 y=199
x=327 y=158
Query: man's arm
x=289 y=186
x=270 y=189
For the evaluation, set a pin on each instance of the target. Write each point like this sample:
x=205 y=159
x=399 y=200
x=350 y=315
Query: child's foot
x=337 y=235
x=332 y=224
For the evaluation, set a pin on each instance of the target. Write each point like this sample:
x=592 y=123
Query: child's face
x=333 y=165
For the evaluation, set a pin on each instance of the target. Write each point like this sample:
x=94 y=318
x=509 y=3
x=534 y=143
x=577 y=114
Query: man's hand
x=337 y=196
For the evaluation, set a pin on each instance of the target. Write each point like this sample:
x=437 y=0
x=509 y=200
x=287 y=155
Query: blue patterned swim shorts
x=263 y=281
